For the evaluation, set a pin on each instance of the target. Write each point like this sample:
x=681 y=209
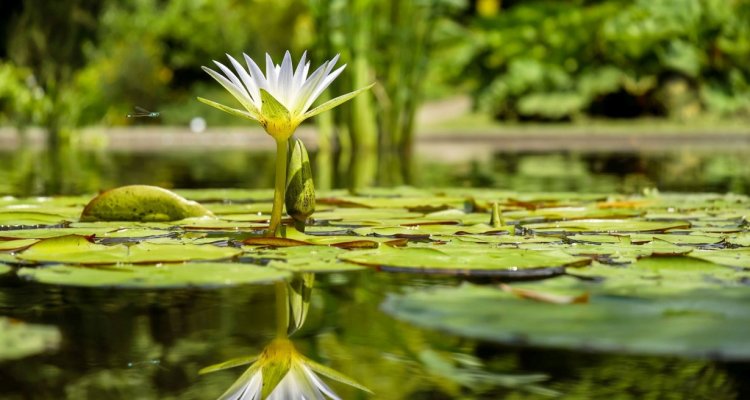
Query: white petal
x=332 y=63
x=238 y=93
x=257 y=75
x=232 y=77
x=271 y=74
x=307 y=89
x=299 y=73
x=319 y=384
x=253 y=388
x=250 y=84
x=285 y=80
x=322 y=86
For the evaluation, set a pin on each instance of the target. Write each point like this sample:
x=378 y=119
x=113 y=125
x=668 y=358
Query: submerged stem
x=280 y=186
x=282 y=310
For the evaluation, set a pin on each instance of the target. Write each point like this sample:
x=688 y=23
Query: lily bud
x=300 y=190
x=496 y=220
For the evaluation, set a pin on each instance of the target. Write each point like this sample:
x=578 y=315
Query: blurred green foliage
x=551 y=60
x=89 y=62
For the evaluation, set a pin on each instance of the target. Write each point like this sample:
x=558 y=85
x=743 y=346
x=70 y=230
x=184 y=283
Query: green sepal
x=230 y=110
x=273 y=372
x=335 y=102
x=275 y=117
x=333 y=374
x=234 y=362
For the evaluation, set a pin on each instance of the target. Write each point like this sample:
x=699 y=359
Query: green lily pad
x=602 y=226
x=319 y=259
x=663 y=276
x=419 y=204
x=705 y=323
x=11 y=245
x=204 y=275
x=739 y=258
x=76 y=249
x=45 y=233
x=19 y=339
x=467 y=261
x=4 y=269
x=432 y=229
x=141 y=203
x=362 y=216
x=30 y=218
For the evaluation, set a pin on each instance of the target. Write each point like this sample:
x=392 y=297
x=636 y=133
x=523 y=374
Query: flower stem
x=280 y=187
x=282 y=310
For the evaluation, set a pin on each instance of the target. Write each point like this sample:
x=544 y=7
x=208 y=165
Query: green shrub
x=551 y=60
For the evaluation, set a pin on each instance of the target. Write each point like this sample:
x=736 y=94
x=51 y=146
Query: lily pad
x=602 y=226
x=19 y=339
x=467 y=261
x=319 y=259
x=10 y=245
x=705 y=323
x=204 y=275
x=739 y=258
x=5 y=269
x=141 y=203
x=76 y=249
x=30 y=218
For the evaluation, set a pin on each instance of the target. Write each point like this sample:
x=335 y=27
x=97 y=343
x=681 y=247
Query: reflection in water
x=29 y=172
x=185 y=330
x=280 y=372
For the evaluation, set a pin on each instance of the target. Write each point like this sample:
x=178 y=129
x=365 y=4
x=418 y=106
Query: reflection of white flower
x=281 y=98
x=281 y=373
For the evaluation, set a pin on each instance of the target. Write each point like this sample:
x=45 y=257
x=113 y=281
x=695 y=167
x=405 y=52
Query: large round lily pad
x=154 y=277
x=706 y=323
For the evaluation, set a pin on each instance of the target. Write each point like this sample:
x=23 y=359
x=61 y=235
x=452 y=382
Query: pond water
x=29 y=172
x=150 y=343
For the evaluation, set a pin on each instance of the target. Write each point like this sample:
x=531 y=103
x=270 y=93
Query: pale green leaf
x=335 y=102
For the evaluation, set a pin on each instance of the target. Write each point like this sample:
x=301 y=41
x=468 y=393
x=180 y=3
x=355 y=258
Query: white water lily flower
x=281 y=99
x=281 y=373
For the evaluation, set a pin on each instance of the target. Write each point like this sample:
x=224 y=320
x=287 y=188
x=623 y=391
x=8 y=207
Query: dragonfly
x=142 y=112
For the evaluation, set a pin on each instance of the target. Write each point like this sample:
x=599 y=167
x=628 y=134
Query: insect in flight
x=142 y=112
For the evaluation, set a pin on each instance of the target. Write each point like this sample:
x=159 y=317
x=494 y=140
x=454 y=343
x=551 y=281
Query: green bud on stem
x=300 y=190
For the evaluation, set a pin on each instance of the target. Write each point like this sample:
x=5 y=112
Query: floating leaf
x=153 y=277
x=739 y=258
x=141 y=203
x=20 y=339
x=465 y=261
x=11 y=245
x=603 y=226
x=76 y=249
x=5 y=269
x=704 y=323
x=309 y=259
x=30 y=218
